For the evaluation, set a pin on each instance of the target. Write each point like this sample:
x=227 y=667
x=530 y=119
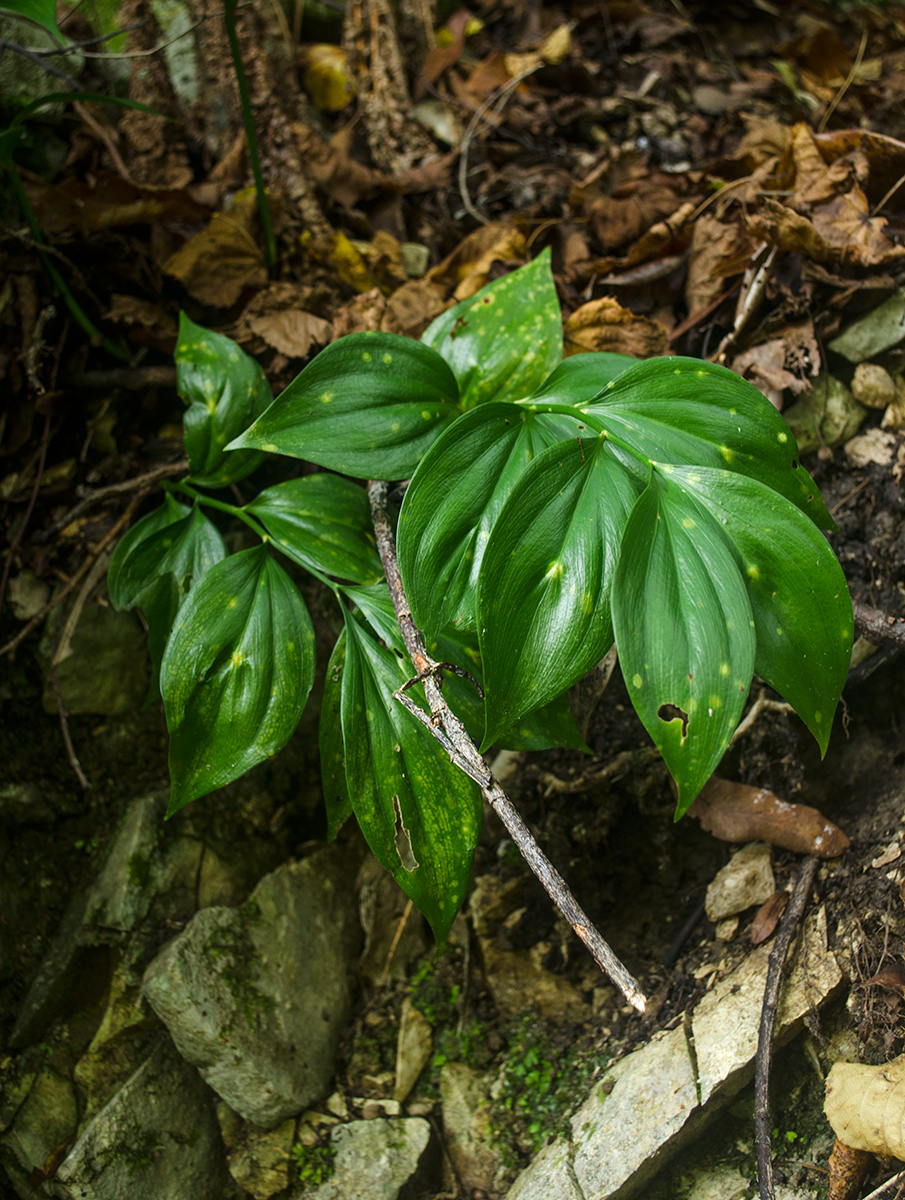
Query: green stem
x=251 y=136
x=79 y=315
x=592 y=422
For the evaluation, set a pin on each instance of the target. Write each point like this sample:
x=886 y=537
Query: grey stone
x=746 y=879
x=413 y=1049
x=46 y=1120
x=374 y=1159
x=258 y=1159
x=112 y=906
x=257 y=996
x=665 y=1092
x=107 y=670
x=158 y=1137
x=466 y=1126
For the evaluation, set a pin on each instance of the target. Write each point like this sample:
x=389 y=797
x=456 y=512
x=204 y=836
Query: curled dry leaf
x=767 y=917
x=848 y=1168
x=605 y=325
x=866 y=1106
x=737 y=812
x=892 y=977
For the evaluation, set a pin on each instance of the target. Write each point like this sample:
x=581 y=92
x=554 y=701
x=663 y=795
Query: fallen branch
x=877 y=627
x=442 y=723
x=762 y=1124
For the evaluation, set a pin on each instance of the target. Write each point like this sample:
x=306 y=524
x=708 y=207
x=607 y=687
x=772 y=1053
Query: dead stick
x=445 y=726
x=762 y=1123
x=890 y=1190
x=877 y=627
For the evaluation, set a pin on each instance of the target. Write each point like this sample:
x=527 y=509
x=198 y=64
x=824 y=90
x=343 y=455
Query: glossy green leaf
x=42 y=12
x=122 y=585
x=421 y=816
x=684 y=630
x=225 y=390
x=375 y=606
x=184 y=549
x=369 y=405
x=581 y=377
x=473 y=466
x=683 y=411
x=504 y=339
x=322 y=522
x=552 y=725
x=544 y=589
x=330 y=739
x=798 y=594
x=236 y=673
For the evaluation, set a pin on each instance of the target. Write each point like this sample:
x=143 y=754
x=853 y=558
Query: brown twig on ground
x=892 y=1189
x=112 y=489
x=442 y=723
x=761 y=704
x=616 y=767
x=877 y=627
x=64 y=727
x=93 y=554
x=762 y=1123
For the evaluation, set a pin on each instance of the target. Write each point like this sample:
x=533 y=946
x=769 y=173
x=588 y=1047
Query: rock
x=382 y=909
x=112 y=906
x=27 y=595
x=158 y=1137
x=466 y=1126
x=413 y=1049
x=659 y=1094
x=46 y=1120
x=257 y=996
x=258 y=1160
x=515 y=979
x=374 y=1159
x=873 y=386
x=107 y=670
x=746 y=880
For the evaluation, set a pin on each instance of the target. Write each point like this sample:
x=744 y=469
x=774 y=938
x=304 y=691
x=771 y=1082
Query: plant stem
x=445 y=726
x=251 y=136
x=79 y=315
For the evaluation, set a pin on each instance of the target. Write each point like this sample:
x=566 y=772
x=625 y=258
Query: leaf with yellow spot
x=225 y=390
x=369 y=406
x=236 y=673
x=420 y=815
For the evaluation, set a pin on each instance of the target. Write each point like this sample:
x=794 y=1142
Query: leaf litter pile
x=726 y=183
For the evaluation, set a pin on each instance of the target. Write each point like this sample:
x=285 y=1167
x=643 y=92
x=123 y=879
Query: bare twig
x=892 y=1189
x=877 y=627
x=64 y=727
x=762 y=1123
x=449 y=731
x=111 y=489
x=761 y=704
x=623 y=762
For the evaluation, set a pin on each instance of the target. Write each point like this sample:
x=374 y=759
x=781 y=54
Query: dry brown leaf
x=665 y=235
x=737 y=812
x=109 y=203
x=217 y=264
x=718 y=249
x=411 y=308
x=292 y=333
x=765 y=367
x=605 y=325
x=848 y=1168
x=767 y=917
x=866 y=1106
x=841 y=231
x=345 y=180
x=640 y=204
x=361 y=314
x=892 y=977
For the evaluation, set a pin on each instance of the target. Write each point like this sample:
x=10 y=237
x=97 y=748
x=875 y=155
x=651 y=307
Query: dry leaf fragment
x=737 y=812
x=767 y=917
x=605 y=325
x=866 y=1106
x=892 y=977
x=848 y=1167
x=292 y=333
x=217 y=264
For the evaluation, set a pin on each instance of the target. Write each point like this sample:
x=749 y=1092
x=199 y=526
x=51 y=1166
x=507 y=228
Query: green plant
x=554 y=506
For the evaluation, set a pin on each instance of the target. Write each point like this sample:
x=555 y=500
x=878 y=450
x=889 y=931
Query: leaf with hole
x=420 y=815
x=369 y=405
x=684 y=630
x=504 y=339
x=236 y=673
x=473 y=465
x=224 y=390
x=544 y=588
x=322 y=522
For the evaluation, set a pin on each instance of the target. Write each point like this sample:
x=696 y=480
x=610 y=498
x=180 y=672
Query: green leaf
x=42 y=12
x=683 y=411
x=330 y=739
x=225 y=389
x=544 y=589
x=368 y=405
x=504 y=339
x=420 y=815
x=375 y=605
x=551 y=726
x=798 y=594
x=122 y=585
x=184 y=549
x=473 y=466
x=581 y=376
x=322 y=522
x=684 y=630
x=236 y=673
